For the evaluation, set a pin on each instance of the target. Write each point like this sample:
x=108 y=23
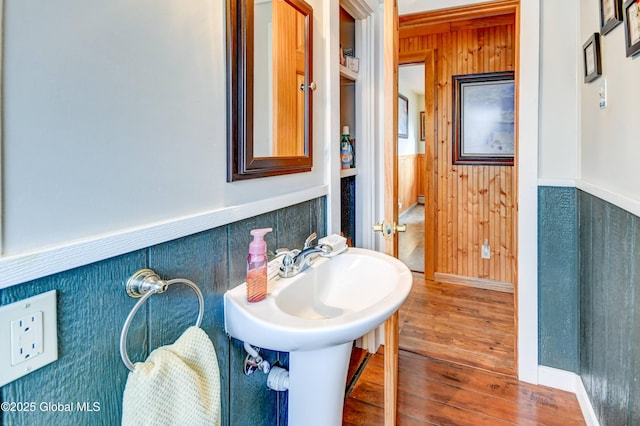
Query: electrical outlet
x=28 y=336
x=486 y=250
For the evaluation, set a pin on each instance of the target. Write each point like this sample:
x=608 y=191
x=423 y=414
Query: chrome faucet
x=296 y=261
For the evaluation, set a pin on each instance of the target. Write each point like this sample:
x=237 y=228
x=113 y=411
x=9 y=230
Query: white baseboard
x=557 y=379
x=585 y=404
x=570 y=382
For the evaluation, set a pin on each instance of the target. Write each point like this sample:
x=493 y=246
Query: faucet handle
x=287 y=256
x=309 y=240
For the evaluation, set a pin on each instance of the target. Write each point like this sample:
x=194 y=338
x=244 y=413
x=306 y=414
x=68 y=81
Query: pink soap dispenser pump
x=257 y=266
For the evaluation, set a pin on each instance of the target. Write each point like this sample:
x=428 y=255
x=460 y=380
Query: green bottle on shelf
x=346 y=150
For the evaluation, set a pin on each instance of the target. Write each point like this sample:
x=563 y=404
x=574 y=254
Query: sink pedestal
x=317 y=381
x=315 y=316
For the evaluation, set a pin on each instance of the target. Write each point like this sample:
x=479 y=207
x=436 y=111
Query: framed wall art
x=631 y=13
x=483 y=117
x=403 y=116
x=591 y=58
x=610 y=15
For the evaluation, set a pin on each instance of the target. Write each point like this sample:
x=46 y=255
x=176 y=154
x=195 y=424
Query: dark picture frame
x=592 y=64
x=610 y=15
x=422 y=123
x=403 y=116
x=484 y=118
x=631 y=14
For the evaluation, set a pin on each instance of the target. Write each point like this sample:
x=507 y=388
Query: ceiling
x=415 y=6
x=412 y=77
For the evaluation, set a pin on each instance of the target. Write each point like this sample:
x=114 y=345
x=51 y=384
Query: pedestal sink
x=316 y=316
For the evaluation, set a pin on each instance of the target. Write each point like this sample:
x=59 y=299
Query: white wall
x=610 y=146
x=262 y=80
x=421 y=143
x=559 y=109
x=409 y=145
x=115 y=118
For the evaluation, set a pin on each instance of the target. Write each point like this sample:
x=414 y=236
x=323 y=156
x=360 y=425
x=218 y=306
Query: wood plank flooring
x=436 y=392
x=467 y=325
x=450 y=350
x=411 y=242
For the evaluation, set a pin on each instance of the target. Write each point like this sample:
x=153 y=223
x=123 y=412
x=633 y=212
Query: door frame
x=390 y=151
x=527 y=62
x=430 y=184
x=527 y=73
x=418 y=24
x=430 y=178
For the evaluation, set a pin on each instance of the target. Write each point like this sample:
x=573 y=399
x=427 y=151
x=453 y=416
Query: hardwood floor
x=411 y=242
x=453 y=339
x=436 y=392
x=467 y=325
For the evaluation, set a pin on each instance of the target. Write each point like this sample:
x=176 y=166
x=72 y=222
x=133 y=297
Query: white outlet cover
x=486 y=252
x=10 y=316
x=26 y=337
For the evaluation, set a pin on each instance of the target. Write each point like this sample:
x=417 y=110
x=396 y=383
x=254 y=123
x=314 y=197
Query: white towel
x=178 y=384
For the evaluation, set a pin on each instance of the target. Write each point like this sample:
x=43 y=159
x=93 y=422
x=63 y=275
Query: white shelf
x=348 y=74
x=348 y=172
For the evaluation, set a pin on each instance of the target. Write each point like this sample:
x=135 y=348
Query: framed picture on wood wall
x=631 y=12
x=610 y=15
x=591 y=58
x=483 y=118
x=403 y=116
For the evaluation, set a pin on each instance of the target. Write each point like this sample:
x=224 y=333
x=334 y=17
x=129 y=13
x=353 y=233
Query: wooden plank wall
x=407 y=181
x=288 y=71
x=474 y=203
x=411 y=169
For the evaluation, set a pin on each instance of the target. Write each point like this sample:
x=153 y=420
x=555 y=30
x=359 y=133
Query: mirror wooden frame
x=241 y=162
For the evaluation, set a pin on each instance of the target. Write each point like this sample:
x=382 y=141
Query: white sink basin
x=316 y=316
x=335 y=301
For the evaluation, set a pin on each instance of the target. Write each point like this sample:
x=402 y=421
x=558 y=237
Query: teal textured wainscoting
x=558 y=278
x=610 y=310
x=92 y=307
x=589 y=298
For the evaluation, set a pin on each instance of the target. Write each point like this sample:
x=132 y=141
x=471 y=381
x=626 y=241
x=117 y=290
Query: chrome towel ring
x=144 y=284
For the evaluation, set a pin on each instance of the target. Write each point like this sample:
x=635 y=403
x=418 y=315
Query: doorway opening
x=411 y=176
x=470 y=227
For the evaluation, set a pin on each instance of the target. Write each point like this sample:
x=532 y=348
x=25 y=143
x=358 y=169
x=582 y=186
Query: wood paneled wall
x=411 y=169
x=407 y=182
x=288 y=72
x=473 y=203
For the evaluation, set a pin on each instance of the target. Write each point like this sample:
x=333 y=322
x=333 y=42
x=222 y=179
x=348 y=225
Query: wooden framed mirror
x=269 y=88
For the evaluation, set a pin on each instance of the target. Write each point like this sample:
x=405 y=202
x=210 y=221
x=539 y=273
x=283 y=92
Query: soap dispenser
x=257 y=266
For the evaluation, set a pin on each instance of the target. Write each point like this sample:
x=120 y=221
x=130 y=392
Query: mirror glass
x=269 y=64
